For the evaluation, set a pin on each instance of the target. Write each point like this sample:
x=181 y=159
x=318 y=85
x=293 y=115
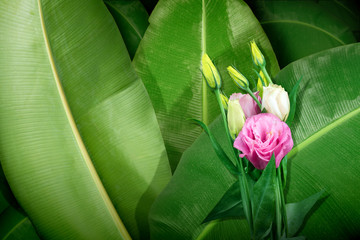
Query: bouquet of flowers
x=257 y=126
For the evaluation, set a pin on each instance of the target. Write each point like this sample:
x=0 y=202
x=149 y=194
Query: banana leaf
x=5 y=193
x=347 y=11
x=168 y=61
x=325 y=156
x=132 y=20
x=80 y=144
x=298 y=29
x=15 y=225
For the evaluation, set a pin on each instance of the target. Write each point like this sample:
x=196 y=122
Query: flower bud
x=238 y=78
x=235 y=117
x=257 y=56
x=224 y=101
x=276 y=101
x=260 y=85
x=210 y=72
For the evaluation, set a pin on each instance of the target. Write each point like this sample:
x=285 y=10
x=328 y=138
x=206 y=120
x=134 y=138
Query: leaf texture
x=298 y=29
x=74 y=114
x=169 y=62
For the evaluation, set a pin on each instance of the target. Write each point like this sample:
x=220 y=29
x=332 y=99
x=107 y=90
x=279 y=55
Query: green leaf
x=132 y=20
x=263 y=200
x=284 y=170
x=73 y=115
x=5 y=192
x=296 y=212
x=169 y=62
x=346 y=11
x=293 y=238
x=300 y=28
x=230 y=205
x=325 y=156
x=14 y=225
x=292 y=98
x=218 y=150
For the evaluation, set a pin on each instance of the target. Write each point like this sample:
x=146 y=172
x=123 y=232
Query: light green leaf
x=80 y=144
x=325 y=156
x=132 y=20
x=169 y=62
x=299 y=28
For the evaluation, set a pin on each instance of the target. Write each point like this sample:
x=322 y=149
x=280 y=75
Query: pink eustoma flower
x=261 y=136
x=248 y=104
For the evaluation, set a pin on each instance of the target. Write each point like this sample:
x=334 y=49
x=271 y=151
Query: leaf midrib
x=304 y=24
x=322 y=132
x=203 y=51
x=85 y=156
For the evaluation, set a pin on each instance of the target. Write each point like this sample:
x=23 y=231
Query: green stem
x=263 y=69
x=254 y=97
x=278 y=204
x=245 y=196
x=244 y=188
x=218 y=98
x=283 y=205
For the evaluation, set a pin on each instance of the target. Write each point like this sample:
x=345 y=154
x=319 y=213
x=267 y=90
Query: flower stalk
x=244 y=188
x=282 y=198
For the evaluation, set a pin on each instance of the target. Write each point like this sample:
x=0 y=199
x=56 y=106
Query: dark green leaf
x=169 y=62
x=293 y=238
x=263 y=200
x=284 y=170
x=325 y=156
x=292 y=98
x=149 y=5
x=230 y=205
x=296 y=212
x=300 y=28
x=347 y=11
x=14 y=226
x=132 y=21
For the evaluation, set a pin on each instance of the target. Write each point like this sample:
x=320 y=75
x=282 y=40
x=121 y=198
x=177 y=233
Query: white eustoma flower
x=276 y=101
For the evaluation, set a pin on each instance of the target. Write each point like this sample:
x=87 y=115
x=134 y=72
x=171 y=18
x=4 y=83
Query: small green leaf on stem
x=230 y=205
x=217 y=148
x=296 y=212
x=263 y=200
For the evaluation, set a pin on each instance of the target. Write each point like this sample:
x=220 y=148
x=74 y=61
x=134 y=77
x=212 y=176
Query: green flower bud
x=210 y=72
x=260 y=85
x=236 y=117
x=224 y=101
x=238 y=78
x=257 y=56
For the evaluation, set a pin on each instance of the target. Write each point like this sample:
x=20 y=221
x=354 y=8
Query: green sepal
x=292 y=98
x=230 y=205
x=296 y=212
x=263 y=200
x=217 y=148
